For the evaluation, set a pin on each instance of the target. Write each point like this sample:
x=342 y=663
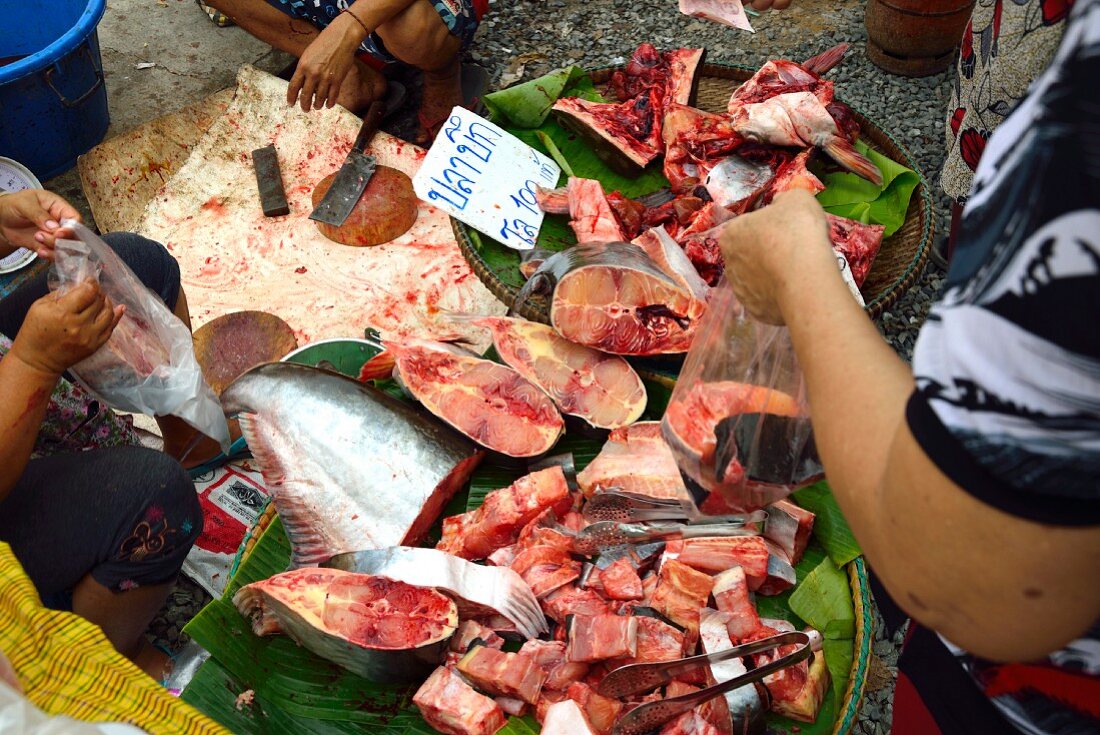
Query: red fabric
x=481 y=8
x=372 y=62
x=1077 y=691
x=911 y=717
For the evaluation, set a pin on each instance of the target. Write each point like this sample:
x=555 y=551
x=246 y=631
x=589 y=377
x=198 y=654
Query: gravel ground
x=526 y=38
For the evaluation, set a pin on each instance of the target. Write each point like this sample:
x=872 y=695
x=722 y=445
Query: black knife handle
x=370 y=125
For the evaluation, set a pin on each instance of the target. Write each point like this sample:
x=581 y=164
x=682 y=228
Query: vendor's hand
x=30 y=219
x=325 y=63
x=60 y=330
x=768 y=4
x=774 y=251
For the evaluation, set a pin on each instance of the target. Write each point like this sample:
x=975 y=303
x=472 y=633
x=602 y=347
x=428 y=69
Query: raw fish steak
x=636 y=460
x=727 y=12
x=376 y=627
x=614 y=298
x=856 y=241
x=490 y=403
x=602 y=389
x=348 y=467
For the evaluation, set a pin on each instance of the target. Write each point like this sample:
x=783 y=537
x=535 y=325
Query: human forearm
x=24 y=396
x=999 y=586
x=373 y=13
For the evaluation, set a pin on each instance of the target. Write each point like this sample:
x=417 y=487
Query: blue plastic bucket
x=53 y=101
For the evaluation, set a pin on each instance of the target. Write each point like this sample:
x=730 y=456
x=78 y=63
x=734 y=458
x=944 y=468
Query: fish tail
x=378 y=367
x=826 y=60
x=844 y=153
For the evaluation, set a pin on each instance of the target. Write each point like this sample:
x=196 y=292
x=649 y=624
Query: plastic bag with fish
x=148 y=365
x=614 y=298
x=738 y=422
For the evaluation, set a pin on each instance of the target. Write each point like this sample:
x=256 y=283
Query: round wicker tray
x=861 y=645
x=898 y=265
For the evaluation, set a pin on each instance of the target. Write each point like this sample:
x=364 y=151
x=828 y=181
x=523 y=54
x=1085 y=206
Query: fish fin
x=844 y=153
x=826 y=60
x=378 y=367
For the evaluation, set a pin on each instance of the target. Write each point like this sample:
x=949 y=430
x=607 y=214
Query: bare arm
x=1001 y=587
x=58 y=332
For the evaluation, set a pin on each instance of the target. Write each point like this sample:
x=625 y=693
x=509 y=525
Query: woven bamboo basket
x=898 y=265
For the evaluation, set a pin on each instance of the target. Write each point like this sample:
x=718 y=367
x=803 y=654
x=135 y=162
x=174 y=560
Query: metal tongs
x=638 y=678
x=616 y=505
x=598 y=536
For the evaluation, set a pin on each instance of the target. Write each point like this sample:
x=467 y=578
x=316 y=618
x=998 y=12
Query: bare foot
x=153 y=661
x=442 y=93
x=362 y=86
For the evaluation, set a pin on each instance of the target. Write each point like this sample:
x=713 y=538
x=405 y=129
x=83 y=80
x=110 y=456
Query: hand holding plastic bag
x=148 y=365
x=738 y=423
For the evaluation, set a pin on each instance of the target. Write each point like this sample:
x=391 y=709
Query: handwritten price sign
x=480 y=174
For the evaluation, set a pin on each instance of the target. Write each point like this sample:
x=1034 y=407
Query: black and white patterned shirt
x=1008 y=365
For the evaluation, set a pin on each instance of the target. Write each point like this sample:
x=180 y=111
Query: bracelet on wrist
x=357 y=20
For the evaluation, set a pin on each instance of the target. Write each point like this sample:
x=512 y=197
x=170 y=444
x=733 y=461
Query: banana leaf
x=830 y=527
x=851 y=196
x=528 y=105
x=824 y=600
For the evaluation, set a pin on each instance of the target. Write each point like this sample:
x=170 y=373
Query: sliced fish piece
x=737 y=182
x=348 y=467
x=612 y=297
x=591 y=216
x=745 y=704
x=800 y=119
x=566 y=718
x=490 y=403
x=635 y=460
x=727 y=12
x=670 y=258
x=602 y=389
x=451 y=706
x=376 y=627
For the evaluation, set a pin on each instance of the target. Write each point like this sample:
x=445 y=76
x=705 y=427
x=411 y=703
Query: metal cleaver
x=353 y=176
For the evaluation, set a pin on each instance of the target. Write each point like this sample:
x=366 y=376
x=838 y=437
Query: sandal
x=237 y=450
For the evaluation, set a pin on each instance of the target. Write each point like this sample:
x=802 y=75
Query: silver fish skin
x=348 y=467
x=745 y=704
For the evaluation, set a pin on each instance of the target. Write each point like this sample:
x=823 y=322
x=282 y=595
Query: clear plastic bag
x=738 y=422
x=148 y=365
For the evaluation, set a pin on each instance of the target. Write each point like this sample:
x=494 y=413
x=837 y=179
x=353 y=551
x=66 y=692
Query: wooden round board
x=348 y=356
x=898 y=264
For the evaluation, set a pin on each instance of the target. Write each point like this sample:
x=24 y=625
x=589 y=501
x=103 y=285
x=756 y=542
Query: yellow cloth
x=68 y=667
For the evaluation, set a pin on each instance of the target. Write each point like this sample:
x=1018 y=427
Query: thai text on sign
x=486 y=177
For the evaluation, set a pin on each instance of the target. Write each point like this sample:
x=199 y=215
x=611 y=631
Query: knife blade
x=353 y=176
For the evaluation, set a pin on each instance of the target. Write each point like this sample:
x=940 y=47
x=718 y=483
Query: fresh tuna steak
x=347 y=466
x=612 y=297
x=602 y=389
x=378 y=628
x=488 y=402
